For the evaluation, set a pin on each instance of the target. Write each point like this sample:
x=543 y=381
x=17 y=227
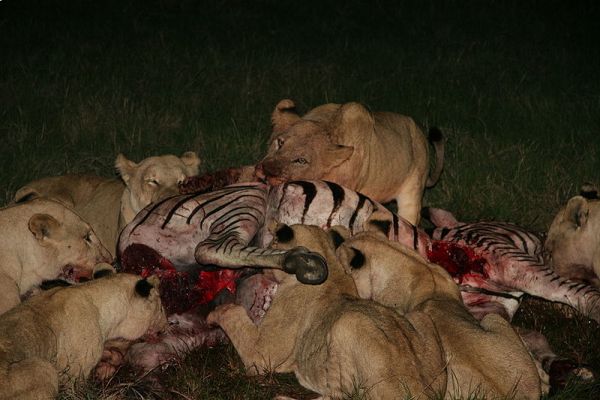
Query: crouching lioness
x=382 y=155
x=110 y=204
x=42 y=240
x=59 y=335
x=483 y=358
x=334 y=342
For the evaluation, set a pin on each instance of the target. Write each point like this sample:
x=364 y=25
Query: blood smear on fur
x=456 y=259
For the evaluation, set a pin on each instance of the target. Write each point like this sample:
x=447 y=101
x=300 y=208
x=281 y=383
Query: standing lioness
x=110 y=204
x=382 y=155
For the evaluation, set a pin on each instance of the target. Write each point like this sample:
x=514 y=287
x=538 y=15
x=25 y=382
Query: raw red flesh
x=179 y=292
x=211 y=181
x=458 y=260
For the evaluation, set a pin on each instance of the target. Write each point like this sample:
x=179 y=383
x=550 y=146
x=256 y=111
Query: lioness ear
x=284 y=234
x=352 y=120
x=381 y=226
x=43 y=226
x=191 y=160
x=351 y=257
x=337 y=154
x=103 y=269
x=358 y=259
x=283 y=117
x=125 y=167
x=577 y=211
x=154 y=281
x=143 y=287
x=25 y=194
x=589 y=191
x=339 y=234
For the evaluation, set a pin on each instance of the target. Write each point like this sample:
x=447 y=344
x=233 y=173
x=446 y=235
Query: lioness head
x=573 y=241
x=140 y=310
x=302 y=148
x=66 y=242
x=145 y=313
x=390 y=273
x=153 y=179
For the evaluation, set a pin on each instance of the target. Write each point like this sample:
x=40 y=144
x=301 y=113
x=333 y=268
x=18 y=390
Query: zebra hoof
x=310 y=268
x=563 y=370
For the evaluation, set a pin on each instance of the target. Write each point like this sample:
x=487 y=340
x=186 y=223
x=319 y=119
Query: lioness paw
x=218 y=314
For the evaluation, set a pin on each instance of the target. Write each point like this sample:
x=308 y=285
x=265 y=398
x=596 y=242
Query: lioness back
x=382 y=155
x=96 y=199
x=110 y=204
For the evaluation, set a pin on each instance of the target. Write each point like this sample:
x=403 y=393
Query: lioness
x=382 y=155
x=482 y=357
x=59 y=335
x=110 y=204
x=573 y=241
x=333 y=341
x=42 y=239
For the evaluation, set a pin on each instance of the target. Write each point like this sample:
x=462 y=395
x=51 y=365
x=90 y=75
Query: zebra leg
x=227 y=246
x=541 y=281
x=555 y=371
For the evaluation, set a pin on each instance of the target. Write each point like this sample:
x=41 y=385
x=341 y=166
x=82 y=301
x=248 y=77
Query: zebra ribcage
x=224 y=222
x=326 y=204
x=319 y=203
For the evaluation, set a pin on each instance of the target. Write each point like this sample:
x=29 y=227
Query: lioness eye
x=88 y=237
x=279 y=143
x=152 y=182
x=301 y=161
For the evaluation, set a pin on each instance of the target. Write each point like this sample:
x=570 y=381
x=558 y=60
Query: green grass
x=513 y=84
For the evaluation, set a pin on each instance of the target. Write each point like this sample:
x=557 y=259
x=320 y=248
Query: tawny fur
x=59 y=335
x=483 y=357
x=42 y=239
x=333 y=341
x=383 y=155
x=573 y=241
x=110 y=204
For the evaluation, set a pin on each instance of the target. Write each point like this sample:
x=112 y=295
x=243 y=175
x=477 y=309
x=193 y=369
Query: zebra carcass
x=493 y=262
x=179 y=236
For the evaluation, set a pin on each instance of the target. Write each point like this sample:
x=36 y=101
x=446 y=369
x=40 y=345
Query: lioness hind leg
x=409 y=200
x=30 y=379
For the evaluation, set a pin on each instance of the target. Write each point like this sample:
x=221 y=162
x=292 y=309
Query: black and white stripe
x=517 y=264
x=218 y=227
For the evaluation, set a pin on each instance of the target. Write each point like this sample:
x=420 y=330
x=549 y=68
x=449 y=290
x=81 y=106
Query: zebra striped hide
x=494 y=263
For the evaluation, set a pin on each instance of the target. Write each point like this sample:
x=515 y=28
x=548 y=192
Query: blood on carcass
x=457 y=259
x=180 y=291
